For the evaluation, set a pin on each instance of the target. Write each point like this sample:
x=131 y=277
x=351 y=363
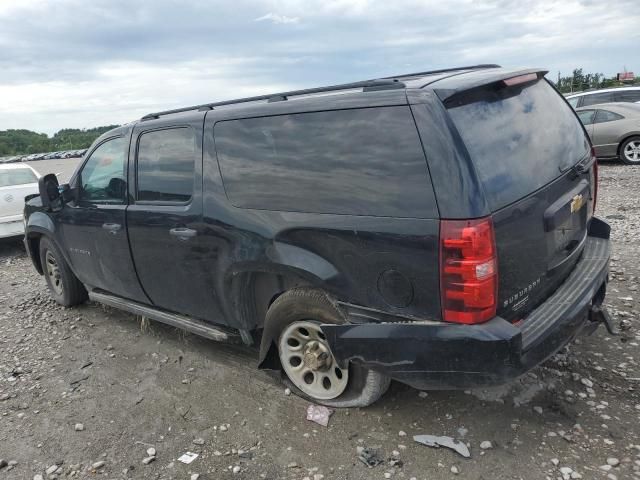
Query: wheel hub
x=307 y=360
x=53 y=271
x=316 y=356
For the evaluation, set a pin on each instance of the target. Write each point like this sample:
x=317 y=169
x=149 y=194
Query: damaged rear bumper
x=451 y=356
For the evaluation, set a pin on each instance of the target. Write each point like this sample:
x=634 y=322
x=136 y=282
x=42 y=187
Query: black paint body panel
x=238 y=259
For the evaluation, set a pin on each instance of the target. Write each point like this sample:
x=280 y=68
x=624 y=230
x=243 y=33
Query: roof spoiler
x=462 y=87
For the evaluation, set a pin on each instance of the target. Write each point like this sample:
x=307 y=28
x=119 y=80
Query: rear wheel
x=630 y=151
x=305 y=355
x=64 y=286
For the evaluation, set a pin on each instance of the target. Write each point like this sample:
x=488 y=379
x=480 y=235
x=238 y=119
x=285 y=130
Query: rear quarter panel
x=347 y=255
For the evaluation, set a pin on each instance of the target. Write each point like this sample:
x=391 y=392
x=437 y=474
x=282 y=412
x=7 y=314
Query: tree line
x=23 y=142
x=579 y=81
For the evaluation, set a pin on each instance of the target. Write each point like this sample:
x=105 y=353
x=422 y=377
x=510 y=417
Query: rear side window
x=606 y=116
x=520 y=140
x=596 y=98
x=628 y=96
x=357 y=162
x=165 y=167
x=16 y=176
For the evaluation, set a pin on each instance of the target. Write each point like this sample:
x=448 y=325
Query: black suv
x=434 y=228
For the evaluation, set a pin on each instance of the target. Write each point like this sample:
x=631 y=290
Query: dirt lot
x=135 y=388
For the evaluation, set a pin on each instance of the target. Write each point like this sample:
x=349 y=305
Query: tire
x=64 y=286
x=630 y=151
x=302 y=310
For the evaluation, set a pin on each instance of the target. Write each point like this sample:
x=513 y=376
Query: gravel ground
x=90 y=392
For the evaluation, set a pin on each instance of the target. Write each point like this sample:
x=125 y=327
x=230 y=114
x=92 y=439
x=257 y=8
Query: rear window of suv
x=16 y=176
x=365 y=161
x=520 y=142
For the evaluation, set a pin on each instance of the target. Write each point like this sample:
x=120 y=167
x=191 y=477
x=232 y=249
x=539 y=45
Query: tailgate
x=534 y=163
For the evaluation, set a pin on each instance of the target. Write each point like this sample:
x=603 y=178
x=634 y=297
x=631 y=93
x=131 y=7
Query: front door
x=93 y=226
x=165 y=220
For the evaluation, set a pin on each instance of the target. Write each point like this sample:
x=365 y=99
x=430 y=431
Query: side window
x=573 y=101
x=607 y=116
x=165 y=166
x=596 y=98
x=628 y=96
x=586 y=116
x=103 y=177
x=351 y=162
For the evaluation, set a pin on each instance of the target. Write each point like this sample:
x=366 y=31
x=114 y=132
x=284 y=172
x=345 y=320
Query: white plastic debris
x=435 y=441
x=319 y=414
x=188 y=457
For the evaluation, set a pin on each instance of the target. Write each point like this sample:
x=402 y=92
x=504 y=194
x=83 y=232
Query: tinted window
x=357 y=162
x=596 y=98
x=104 y=175
x=628 y=96
x=573 y=101
x=607 y=116
x=166 y=160
x=519 y=140
x=17 y=176
x=586 y=116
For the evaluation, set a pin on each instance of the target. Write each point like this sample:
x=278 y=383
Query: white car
x=16 y=182
x=605 y=95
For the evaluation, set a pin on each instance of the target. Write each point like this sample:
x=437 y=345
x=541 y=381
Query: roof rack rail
x=386 y=83
x=445 y=70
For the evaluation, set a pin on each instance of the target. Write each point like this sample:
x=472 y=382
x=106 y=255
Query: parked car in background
x=16 y=182
x=607 y=95
x=614 y=129
x=414 y=228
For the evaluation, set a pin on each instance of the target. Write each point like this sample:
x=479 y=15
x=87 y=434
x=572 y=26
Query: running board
x=175 y=320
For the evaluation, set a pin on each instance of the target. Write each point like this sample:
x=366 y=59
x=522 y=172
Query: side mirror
x=50 y=192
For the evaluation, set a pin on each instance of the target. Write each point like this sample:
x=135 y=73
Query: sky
x=81 y=64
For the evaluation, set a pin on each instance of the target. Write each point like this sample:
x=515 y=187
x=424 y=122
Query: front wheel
x=306 y=358
x=630 y=151
x=64 y=286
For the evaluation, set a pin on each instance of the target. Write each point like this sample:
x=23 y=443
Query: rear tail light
x=468 y=270
x=520 y=79
x=594 y=179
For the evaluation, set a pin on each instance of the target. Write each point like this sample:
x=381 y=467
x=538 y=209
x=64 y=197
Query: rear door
x=587 y=117
x=606 y=132
x=165 y=219
x=524 y=142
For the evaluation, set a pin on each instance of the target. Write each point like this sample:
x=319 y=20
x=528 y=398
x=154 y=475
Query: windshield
x=18 y=176
x=520 y=142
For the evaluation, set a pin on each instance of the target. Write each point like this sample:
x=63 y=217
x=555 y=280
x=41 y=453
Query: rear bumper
x=450 y=356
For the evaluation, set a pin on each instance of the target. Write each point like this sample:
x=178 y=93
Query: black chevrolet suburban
x=435 y=228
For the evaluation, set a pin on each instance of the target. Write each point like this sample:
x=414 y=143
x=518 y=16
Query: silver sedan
x=614 y=129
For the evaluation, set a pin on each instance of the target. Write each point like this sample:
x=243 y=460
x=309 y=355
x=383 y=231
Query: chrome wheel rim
x=632 y=151
x=308 y=362
x=53 y=272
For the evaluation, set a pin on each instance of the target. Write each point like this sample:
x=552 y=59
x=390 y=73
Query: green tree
x=22 y=142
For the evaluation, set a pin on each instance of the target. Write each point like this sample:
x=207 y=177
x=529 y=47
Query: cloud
x=77 y=63
x=275 y=18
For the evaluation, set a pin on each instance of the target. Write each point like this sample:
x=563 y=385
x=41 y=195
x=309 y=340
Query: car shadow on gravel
x=11 y=247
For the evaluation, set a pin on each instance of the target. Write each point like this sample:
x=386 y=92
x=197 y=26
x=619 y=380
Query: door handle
x=183 y=233
x=112 y=228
